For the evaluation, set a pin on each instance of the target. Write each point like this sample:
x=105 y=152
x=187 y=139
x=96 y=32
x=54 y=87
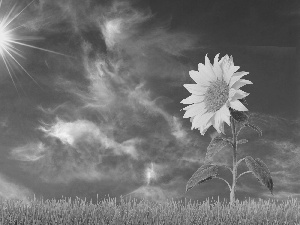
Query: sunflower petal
x=239 y=94
x=193 y=111
x=187 y=107
x=228 y=68
x=205 y=122
x=199 y=78
x=240 y=83
x=217 y=68
x=232 y=92
x=237 y=105
x=209 y=66
x=196 y=89
x=230 y=73
x=193 y=99
x=208 y=124
x=217 y=122
x=197 y=121
x=225 y=114
x=236 y=77
x=206 y=71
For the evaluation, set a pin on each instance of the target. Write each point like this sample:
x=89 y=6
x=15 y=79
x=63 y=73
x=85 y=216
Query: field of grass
x=132 y=211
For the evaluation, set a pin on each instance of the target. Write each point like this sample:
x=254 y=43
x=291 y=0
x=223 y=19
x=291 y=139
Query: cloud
x=29 y=152
x=83 y=131
x=73 y=132
x=106 y=117
x=11 y=190
x=121 y=22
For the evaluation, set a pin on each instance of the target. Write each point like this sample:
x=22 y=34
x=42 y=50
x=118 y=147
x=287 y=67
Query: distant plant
x=216 y=98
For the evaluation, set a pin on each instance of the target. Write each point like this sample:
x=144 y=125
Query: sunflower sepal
x=239 y=116
x=243 y=100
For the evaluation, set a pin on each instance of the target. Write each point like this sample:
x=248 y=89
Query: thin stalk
x=234 y=161
x=240 y=161
x=224 y=181
x=243 y=174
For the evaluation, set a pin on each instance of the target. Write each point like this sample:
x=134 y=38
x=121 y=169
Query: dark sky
x=95 y=119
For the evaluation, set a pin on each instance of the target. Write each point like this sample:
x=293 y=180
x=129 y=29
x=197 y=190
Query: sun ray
x=21 y=66
x=43 y=49
x=10 y=40
x=9 y=72
x=18 y=13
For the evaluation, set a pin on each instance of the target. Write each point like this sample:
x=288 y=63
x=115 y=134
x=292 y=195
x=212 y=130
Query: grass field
x=132 y=211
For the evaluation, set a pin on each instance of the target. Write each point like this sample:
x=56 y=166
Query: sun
x=10 y=40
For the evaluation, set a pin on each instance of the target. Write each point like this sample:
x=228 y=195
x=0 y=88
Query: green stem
x=234 y=163
x=243 y=174
x=224 y=181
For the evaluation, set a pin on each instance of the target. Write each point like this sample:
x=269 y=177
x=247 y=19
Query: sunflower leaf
x=260 y=171
x=239 y=116
x=242 y=141
x=256 y=128
x=204 y=173
x=214 y=147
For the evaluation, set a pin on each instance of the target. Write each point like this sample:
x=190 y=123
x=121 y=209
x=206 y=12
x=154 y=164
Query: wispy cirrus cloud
x=111 y=99
x=124 y=116
x=29 y=152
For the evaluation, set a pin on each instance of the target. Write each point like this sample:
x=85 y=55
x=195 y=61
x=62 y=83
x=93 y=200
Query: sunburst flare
x=10 y=40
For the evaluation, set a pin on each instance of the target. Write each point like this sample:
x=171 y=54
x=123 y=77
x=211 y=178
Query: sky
x=104 y=111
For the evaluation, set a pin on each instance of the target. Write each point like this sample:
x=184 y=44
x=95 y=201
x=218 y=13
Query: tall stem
x=234 y=163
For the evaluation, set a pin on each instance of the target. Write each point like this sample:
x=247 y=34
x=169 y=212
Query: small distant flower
x=217 y=88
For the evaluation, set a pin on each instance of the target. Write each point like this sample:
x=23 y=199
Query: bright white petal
x=192 y=99
x=197 y=121
x=196 y=89
x=218 y=121
x=228 y=75
x=203 y=126
x=191 y=119
x=209 y=123
x=217 y=68
x=225 y=114
x=209 y=66
x=232 y=92
x=187 y=107
x=199 y=78
x=239 y=94
x=240 y=83
x=237 y=105
x=228 y=68
x=236 y=77
x=196 y=109
x=206 y=72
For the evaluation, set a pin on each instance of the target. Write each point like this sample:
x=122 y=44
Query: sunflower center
x=216 y=95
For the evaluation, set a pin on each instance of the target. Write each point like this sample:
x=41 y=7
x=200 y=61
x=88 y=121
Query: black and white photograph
x=149 y=112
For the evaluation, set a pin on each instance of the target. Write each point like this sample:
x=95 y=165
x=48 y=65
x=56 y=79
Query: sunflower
x=217 y=89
